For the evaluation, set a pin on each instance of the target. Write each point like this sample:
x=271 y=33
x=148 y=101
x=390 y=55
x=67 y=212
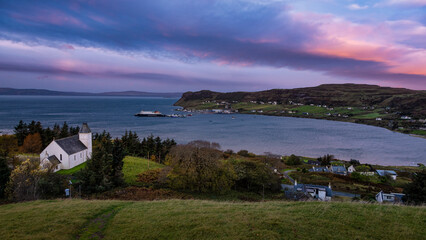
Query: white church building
x=66 y=153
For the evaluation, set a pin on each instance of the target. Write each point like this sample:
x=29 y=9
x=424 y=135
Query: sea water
x=258 y=134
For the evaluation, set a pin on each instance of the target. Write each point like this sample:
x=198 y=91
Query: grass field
x=134 y=166
x=72 y=170
x=419 y=132
x=196 y=219
x=369 y=116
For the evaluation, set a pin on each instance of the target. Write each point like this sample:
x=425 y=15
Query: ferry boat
x=149 y=114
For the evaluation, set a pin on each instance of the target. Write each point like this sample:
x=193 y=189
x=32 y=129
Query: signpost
x=70 y=189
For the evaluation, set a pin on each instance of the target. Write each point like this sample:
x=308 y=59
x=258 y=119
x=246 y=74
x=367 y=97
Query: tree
x=64 y=131
x=117 y=163
x=253 y=175
x=293 y=160
x=354 y=162
x=74 y=130
x=24 y=181
x=8 y=145
x=326 y=159
x=415 y=192
x=4 y=175
x=21 y=132
x=32 y=143
x=104 y=170
x=196 y=166
x=243 y=153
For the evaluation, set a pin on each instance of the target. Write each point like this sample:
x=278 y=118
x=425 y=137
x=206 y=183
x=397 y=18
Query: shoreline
x=309 y=117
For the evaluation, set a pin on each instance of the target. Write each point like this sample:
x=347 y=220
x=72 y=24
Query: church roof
x=71 y=144
x=54 y=160
x=85 y=128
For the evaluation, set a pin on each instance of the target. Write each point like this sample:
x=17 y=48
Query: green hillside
x=195 y=219
x=134 y=165
x=398 y=109
x=407 y=101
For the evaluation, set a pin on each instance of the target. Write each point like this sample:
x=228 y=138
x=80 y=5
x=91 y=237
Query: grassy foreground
x=196 y=219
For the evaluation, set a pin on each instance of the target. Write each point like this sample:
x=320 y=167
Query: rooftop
x=71 y=144
x=85 y=128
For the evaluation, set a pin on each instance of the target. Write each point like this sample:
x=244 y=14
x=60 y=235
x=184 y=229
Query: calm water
x=258 y=134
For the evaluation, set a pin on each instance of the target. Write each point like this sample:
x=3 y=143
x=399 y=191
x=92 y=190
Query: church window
x=60 y=157
x=74 y=157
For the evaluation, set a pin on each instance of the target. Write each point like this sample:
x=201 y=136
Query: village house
x=66 y=153
x=389 y=197
x=390 y=173
x=322 y=193
x=351 y=169
x=313 y=162
x=319 y=169
x=367 y=173
x=338 y=170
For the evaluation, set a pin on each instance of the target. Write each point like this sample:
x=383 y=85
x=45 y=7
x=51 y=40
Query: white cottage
x=389 y=197
x=351 y=169
x=66 y=153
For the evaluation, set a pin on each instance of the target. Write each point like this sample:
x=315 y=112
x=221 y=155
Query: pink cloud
x=67 y=47
x=383 y=42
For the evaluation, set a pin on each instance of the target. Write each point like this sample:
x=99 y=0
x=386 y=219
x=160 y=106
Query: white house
x=351 y=169
x=389 y=197
x=322 y=193
x=66 y=153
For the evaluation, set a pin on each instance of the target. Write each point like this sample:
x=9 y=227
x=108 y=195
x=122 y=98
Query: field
x=134 y=166
x=196 y=219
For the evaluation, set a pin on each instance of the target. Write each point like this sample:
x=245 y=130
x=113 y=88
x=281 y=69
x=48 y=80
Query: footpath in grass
x=134 y=166
x=95 y=227
x=54 y=219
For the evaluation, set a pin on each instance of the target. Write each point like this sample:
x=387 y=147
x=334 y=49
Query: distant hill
x=44 y=92
x=356 y=95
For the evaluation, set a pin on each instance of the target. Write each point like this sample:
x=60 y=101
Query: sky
x=239 y=45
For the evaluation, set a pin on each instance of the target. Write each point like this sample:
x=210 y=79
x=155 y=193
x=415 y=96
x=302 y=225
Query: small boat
x=149 y=114
x=176 y=116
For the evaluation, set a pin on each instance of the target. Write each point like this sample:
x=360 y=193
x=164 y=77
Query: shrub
x=24 y=181
x=149 y=177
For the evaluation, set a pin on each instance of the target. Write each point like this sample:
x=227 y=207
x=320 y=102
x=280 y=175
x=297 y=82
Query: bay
x=258 y=134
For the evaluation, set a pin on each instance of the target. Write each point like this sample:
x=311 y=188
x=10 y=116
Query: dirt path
x=95 y=227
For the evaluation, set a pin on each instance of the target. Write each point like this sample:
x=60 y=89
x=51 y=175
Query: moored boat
x=149 y=114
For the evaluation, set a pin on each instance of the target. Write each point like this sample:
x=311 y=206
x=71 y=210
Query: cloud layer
x=237 y=34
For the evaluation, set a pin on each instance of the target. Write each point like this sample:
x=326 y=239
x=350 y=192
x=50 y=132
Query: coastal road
x=287 y=176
